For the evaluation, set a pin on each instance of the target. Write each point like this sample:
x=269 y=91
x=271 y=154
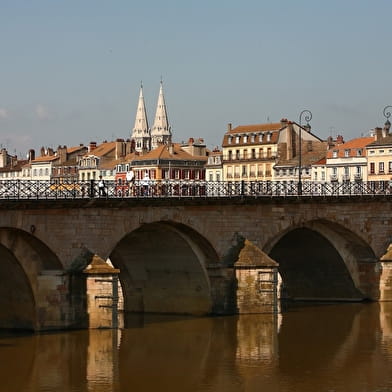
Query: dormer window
x=245 y=139
x=269 y=136
x=346 y=153
x=252 y=138
x=359 y=153
x=261 y=135
x=334 y=153
x=237 y=139
x=230 y=139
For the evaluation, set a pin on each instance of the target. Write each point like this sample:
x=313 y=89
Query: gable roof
x=164 y=152
x=352 y=145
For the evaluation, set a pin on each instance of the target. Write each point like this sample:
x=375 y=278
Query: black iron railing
x=20 y=189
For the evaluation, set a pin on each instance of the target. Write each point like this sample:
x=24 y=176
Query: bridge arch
x=23 y=258
x=322 y=260
x=164 y=269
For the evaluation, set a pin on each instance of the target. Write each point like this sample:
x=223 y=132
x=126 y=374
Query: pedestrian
x=101 y=187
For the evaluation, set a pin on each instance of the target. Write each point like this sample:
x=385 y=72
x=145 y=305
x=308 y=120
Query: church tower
x=161 y=131
x=141 y=133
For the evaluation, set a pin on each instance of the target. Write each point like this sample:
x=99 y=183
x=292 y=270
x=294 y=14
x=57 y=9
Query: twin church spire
x=147 y=139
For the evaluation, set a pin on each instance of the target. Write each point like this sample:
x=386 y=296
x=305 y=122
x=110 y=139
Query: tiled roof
x=385 y=141
x=103 y=149
x=14 y=167
x=45 y=158
x=256 y=128
x=353 y=145
x=164 y=152
x=307 y=159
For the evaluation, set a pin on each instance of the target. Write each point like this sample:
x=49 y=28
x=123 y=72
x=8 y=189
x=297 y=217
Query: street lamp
x=307 y=115
x=387 y=114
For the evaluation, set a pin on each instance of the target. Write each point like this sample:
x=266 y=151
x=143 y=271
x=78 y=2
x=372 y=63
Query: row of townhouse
x=258 y=152
x=278 y=151
x=109 y=160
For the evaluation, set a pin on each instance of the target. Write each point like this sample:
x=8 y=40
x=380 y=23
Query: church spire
x=141 y=132
x=161 y=131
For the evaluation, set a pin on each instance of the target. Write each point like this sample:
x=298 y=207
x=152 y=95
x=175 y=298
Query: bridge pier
x=386 y=276
x=257 y=281
x=102 y=294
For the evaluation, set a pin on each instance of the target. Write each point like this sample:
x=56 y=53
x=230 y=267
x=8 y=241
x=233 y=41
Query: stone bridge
x=178 y=256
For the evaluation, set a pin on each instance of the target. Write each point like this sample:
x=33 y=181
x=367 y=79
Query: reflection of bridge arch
x=322 y=260
x=164 y=269
x=22 y=259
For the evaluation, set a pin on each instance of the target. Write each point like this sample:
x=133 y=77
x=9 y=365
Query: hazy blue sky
x=70 y=71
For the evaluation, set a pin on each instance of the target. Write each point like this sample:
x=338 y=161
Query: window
x=197 y=174
x=217 y=176
x=390 y=167
x=253 y=153
x=315 y=176
x=381 y=167
x=237 y=154
x=381 y=151
x=237 y=139
x=176 y=174
x=269 y=136
x=245 y=152
x=252 y=138
x=244 y=170
x=372 y=168
x=261 y=135
x=323 y=175
x=230 y=155
x=261 y=153
x=211 y=177
x=334 y=153
x=359 y=153
x=269 y=152
x=186 y=174
x=245 y=139
x=347 y=171
x=230 y=139
x=346 y=153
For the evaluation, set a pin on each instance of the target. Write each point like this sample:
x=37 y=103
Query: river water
x=335 y=347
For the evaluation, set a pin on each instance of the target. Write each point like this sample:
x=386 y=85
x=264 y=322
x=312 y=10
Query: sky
x=71 y=70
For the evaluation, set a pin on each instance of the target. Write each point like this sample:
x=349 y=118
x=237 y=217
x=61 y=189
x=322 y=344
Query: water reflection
x=345 y=347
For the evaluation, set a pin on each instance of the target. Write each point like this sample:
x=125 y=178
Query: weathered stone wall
x=359 y=228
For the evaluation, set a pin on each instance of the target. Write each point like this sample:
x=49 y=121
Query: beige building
x=214 y=169
x=269 y=152
x=379 y=155
x=346 y=161
x=102 y=160
x=250 y=151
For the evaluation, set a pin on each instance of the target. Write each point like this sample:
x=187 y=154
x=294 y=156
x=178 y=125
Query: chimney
x=289 y=138
x=229 y=127
x=31 y=155
x=62 y=153
x=283 y=122
x=120 y=148
x=339 y=139
x=92 y=146
x=377 y=133
x=3 y=157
